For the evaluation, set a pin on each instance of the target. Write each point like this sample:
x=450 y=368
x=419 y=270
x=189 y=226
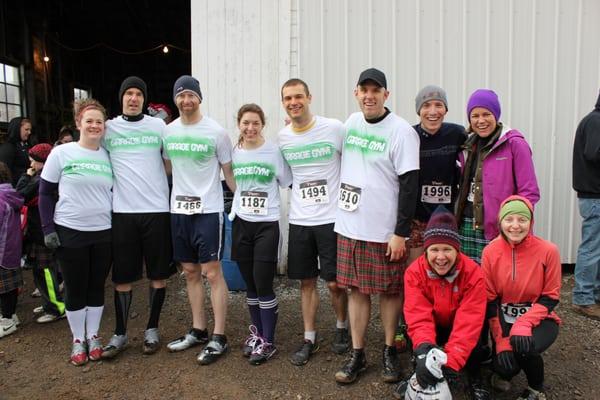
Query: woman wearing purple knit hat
x=496 y=162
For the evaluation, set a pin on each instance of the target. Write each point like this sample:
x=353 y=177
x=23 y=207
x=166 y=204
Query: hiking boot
x=301 y=356
x=79 y=353
x=251 y=341
x=151 y=341
x=8 y=326
x=341 y=341
x=116 y=344
x=400 y=390
x=94 y=348
x=193 y=338
x=352 y=368
x=213 y=350
x=500 y=384
x=532 y=394
x=591 y=311
x=262 y=353
x=391 y=364
x=49 y=317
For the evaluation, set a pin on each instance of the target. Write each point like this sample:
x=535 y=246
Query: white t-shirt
x=134 y=148
x=314 y=157
x=373 y=158
x=258 y=174
x=197 y=152
x=85 y=181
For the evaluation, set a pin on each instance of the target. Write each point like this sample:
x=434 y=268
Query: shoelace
x=263 y=348
x=254 y=338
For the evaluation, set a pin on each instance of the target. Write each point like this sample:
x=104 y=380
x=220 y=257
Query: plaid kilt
x=472 y=241
x=364 y=265
x=417 y=228
x=42 y=257
x=10 y=279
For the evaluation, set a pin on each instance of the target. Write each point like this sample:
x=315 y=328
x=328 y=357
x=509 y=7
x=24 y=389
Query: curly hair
x=80 y=106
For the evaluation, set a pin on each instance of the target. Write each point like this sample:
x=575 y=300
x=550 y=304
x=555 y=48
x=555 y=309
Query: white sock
x=92 y=320
x=310 y=335
x=77 y=324
x=341 y=324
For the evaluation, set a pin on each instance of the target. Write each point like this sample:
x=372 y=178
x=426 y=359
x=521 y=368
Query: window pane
x=2 y=92
x=12 y=75
x=1 y=72
x=3 y=114
x=12 y=94
x=13 y=111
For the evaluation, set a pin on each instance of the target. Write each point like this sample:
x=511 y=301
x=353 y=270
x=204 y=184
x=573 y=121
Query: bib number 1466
x=188 y=205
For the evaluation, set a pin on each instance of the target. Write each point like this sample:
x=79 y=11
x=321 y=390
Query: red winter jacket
x=456 y=301
x=522 y=283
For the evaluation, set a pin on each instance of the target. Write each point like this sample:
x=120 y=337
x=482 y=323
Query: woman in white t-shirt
x=78 y=226
x=259 y=171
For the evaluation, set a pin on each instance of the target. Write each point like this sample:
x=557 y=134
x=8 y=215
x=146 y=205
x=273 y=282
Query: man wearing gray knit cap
x=198 y=149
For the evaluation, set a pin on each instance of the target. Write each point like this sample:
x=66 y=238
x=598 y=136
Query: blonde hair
x=81 y=106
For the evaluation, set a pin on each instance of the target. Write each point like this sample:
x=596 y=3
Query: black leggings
x=84 y=271
x=258 y=276
x=8 y=303
x=532 y=364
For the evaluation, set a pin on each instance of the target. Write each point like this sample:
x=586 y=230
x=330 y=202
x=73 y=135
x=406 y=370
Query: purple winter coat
x=507 y=170
x=10 y=227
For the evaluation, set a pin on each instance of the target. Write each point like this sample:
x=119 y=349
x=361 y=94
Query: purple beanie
x=485 y=98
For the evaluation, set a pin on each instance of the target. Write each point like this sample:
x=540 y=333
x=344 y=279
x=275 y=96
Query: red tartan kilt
x=364 y=265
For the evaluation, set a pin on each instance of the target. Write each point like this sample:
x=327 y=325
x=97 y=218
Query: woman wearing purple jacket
x=496 y=162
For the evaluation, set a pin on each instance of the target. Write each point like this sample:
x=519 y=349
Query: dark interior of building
x=65 y=48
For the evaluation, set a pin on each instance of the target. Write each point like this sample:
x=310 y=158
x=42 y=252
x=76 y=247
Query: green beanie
x=515 y=207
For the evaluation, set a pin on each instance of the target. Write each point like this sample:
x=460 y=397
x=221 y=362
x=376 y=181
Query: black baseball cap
x=373 y=74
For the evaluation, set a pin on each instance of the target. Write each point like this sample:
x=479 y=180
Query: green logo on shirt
x=257 y=172
x=311 y=153
x=88 y=167
x=133 y=141
x=367 y=144
x=196 y=148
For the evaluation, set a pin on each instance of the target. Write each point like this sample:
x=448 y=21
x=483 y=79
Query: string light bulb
x=165 y=49
x=46 y=58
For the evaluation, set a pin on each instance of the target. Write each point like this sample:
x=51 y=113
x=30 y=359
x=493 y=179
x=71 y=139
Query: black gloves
x=506 y=360
x=424 y=376
x=522 y=344
x=451 y=376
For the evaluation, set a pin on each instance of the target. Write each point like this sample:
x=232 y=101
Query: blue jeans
x=587 y=269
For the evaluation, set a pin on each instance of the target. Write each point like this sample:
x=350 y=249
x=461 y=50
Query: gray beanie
x=186 y=83
x=430 y=92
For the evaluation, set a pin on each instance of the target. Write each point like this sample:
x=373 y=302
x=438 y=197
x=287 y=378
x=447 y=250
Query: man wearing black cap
x=141 y=221
x=198 y=149
x=378 y=190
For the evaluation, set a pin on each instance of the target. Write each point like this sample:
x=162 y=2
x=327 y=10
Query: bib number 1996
x=188 y=205
x=349 y=197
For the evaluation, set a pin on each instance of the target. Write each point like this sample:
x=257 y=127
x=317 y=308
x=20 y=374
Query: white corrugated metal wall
x=542 y=58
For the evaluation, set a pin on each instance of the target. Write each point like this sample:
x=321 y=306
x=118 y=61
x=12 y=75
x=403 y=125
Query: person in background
x=78 y=226
x=43 y=259
x=523 y=278
x=259 y=170
x=495 y=163
x=66 y=135
x=10 y=252
x=14 y=152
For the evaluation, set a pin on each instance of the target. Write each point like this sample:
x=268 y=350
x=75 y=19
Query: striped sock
x=268 y=313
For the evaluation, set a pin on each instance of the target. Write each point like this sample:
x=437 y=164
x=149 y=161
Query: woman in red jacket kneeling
x=445 y=306
x=522 y=274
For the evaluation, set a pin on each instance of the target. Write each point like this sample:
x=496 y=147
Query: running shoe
x=341 y=341
x=94 y=348
x=301 y=356
x=251 y=341
x=8 y=326
x=151 y=341
x=213 y=350
x=79 y=354
x=193 y=338
x=49 y=317
x=262 y=353
x=116 y=344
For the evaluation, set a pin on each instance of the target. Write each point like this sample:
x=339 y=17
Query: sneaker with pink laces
x=252 y=341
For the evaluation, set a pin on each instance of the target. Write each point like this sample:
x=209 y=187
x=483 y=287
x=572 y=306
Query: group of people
x=369 y=198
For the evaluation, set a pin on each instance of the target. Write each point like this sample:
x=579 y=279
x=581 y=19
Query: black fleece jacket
x=586 y=155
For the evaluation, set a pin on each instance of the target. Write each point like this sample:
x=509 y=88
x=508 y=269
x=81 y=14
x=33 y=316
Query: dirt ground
x=34 y=361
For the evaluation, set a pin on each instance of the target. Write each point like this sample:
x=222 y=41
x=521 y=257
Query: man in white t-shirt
x=312 y=147
x=140 y=219
x=198 y=149
x=377 y=200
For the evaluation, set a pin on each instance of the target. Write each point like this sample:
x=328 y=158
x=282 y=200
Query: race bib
x=471 y=195
x=254 y=203
x=436 y=194
x=349 y=197
x=314 y=192
x=512 y=311
x=188 y=205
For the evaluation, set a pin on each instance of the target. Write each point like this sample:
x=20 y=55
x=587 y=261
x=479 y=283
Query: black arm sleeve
x=47 y=204
x=407 y=202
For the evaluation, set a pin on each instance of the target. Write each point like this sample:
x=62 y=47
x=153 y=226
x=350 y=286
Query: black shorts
x=139 y=239
x=255 y=241
x=196 y=238
x=312 y=252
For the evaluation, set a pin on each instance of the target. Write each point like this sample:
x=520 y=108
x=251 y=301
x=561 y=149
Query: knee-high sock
x=254 y=309
x=268 y=314
x=92 y=321
x=156 y=300
x=77 y=323
x=122 y=303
